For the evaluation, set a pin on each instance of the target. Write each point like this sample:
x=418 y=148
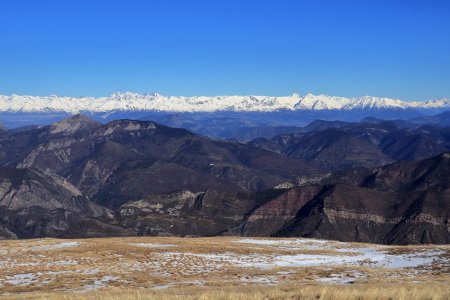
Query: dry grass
x=185 y=271
x=405 y=291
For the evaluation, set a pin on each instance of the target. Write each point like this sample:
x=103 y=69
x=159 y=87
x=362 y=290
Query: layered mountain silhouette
x=336 y=145
x=126 y=160
x=80 y=178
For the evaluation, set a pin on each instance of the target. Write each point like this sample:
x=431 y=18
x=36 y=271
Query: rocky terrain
x=125 y=160
x=402 y=203
x=80 y=178
x=37 y=204
x=341 y=145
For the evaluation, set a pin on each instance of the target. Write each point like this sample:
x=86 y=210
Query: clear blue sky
x=349 y=48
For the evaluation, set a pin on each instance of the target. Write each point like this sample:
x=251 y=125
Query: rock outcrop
x=34 y=204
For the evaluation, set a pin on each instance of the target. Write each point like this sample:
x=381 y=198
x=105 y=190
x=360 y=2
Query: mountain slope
x=402 y=203
x=127 y=160
x=80 y=178
x=342 y=145
x=34 y=204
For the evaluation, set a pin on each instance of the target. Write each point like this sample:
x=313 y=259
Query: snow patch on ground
x=298 y=244
x=172 y=284
x=264 y=262
x=365 y=256
x=153 y=246
x=21 y=279
x=57 y=246
x=341 y=279
x=100 y=282
x=260 y=280
x=163 y=286
x=69 y=262
x=91 y=271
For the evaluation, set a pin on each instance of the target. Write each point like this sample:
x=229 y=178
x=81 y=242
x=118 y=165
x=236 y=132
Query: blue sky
x=349 y=48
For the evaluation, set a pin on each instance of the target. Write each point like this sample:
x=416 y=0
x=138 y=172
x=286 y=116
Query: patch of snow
x=297 y=244
x=163 y=286
x=172 y=284
x=58 y=272
x=57 y=246
x=285 y=273
x=376 y=256
x=396 y=261
x=261 y=280
x=100 y=282
x=21 y=279
x=337 y=279
x=90 y=271
x=153 y=246
x=196 y=282
x=69 y=262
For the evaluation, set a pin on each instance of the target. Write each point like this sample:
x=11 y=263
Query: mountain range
x=155 y=102
x=372 y=181
x=337 y=145
x=241 y=118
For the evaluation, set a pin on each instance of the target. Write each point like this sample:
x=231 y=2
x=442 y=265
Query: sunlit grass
x=178 y=268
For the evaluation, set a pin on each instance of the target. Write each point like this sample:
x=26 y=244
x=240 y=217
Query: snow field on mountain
x=156 y=102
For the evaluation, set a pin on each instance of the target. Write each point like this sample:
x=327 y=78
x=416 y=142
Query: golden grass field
x=220 y=268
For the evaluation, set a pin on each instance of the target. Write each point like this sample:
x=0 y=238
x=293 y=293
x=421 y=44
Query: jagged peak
x=128 y=125
x=73 y=124
x=78 y=118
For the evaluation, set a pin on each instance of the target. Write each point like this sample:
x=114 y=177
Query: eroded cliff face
x=348 y=213
x=402 y=203
x=34 y=204
x=386 y=205
x=191 y=214
x=273 y=215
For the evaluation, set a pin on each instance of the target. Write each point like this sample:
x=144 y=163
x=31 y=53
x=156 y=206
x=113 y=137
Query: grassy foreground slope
x=220 y=268
x=434 y=291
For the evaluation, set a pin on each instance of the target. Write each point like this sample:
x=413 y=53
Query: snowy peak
x=442 y=102
x=320 y=102
x=156 y=102
x=369 y=102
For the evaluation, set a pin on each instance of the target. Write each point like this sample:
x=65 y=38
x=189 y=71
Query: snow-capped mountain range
x=155 y=102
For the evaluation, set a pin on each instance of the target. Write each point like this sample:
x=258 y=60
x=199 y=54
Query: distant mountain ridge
x=337 y=145
x=156 y=102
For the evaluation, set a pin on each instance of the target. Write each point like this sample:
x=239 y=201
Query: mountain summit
x=156 y=102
